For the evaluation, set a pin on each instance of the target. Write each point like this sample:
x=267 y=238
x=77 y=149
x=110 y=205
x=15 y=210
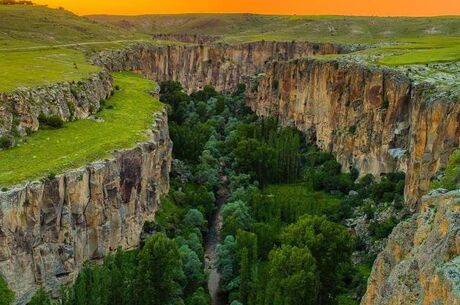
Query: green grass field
x=282 y=204
x=41 y=67
x=84 y=141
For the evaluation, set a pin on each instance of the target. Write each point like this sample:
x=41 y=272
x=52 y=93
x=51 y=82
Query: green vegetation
x=283 y=238
x=127 y=115
x=251 y=27
x=42 y=67
x=397 y=40
x=31 y=26
x=6 y=295
x=450 y=179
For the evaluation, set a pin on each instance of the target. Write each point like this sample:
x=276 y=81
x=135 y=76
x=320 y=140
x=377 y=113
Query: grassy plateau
x=126 y=117
x=41 y=67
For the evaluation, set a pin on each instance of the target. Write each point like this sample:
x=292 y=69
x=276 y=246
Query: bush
x=53 y=121
x=6 y=142
x=382 y=230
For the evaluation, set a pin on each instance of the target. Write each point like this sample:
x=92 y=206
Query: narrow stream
x=212 y=240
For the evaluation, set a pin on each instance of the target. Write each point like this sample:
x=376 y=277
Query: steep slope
x=49 y=228
x=421 y=261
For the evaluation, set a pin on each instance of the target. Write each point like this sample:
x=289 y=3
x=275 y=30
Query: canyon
x=374 y=119
x=51 y=227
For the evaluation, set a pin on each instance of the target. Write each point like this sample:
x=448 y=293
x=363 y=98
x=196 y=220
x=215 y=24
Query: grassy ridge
x=250 y=27
x=84 y=141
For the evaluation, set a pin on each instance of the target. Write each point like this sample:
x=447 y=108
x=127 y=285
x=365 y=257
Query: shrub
x=53 y=121
x=385 y=103
x=352 y=129
x=382 y=230
x=6 y=142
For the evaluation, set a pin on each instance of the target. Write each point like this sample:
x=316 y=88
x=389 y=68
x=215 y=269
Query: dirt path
x=212 y=240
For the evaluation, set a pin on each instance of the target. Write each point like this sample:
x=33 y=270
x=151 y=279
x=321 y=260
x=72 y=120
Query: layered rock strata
x=49 y=228
x=20 y=109
x=421 y=261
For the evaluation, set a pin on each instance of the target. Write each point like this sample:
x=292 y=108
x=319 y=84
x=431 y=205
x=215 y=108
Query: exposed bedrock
x=420 y=263
x=49 y=228
x=20 y=109
x=373 y=119
x=224 y=66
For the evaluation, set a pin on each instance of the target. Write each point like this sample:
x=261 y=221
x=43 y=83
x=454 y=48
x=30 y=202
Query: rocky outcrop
x=188 y=38
x=221 y=65
x=373 y=119
x=20 y=109
x=421 y=261
x=49 y=228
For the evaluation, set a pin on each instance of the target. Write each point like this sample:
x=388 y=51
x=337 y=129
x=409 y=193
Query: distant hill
x=244 y=27
x=26 y=25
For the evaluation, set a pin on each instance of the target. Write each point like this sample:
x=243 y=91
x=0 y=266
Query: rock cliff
x=420 y=263
x=224 y=66
x=19 y=110
x=49 y=228
x=372 y=118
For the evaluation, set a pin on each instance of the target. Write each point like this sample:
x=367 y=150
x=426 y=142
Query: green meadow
x=126 y=117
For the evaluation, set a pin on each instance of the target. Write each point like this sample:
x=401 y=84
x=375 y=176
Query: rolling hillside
x=244 y=27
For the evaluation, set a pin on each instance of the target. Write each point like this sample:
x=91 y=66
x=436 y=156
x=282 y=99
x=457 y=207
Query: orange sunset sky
x=300 y=7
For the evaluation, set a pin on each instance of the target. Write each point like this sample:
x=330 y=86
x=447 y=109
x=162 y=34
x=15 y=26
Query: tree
x=160 y=272
x=293 y=277
x=236 y=216
x=192 y=268
x=40 y=298
x=6 y=294
x=199 y=297
x=195 y=219
x=227 y=264
x=331 y=246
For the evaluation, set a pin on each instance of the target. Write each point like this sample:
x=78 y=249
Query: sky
x=289 y=7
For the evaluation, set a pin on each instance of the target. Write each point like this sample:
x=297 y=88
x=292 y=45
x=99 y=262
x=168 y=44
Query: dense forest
x=284 y=241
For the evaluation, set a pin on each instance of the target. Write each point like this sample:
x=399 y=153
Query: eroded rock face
x=187 y=38
x=48 y=229
x=421 y=261
x=224 y=66
x=19 y=110
x=373 y=119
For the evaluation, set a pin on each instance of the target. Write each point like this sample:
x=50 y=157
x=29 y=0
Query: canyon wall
x=224 y=66
x=49 y=228
x=374 y=119
x=420 y=263
x=20 y=109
